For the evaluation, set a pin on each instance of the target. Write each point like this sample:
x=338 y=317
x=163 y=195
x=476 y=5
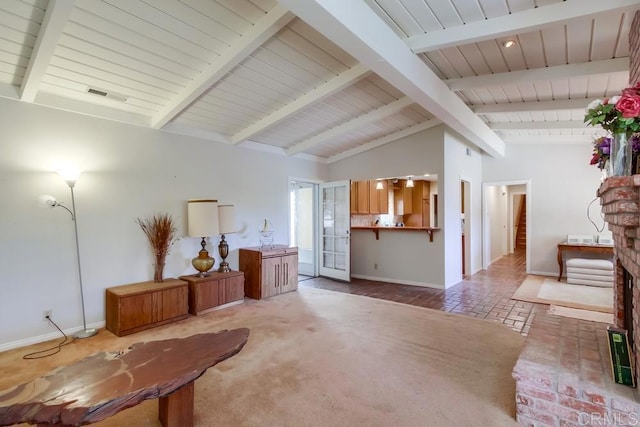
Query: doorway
x=302 y=228
x=501 y=218
x=465 y=221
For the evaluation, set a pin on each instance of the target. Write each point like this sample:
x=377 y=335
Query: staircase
x=521 y=234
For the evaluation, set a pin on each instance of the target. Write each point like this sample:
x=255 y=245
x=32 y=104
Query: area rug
x=543 y=290
x=322 y=358
x=577 y=313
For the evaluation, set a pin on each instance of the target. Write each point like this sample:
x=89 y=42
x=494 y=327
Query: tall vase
x=620 y=155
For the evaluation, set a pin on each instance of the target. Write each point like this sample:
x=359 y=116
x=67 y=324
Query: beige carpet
x=549 y=291
x=321 y=358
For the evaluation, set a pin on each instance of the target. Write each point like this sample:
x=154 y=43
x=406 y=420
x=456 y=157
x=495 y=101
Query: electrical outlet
x=47 y=314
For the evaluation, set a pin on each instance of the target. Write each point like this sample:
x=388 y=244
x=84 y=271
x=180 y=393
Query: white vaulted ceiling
x=322 y=78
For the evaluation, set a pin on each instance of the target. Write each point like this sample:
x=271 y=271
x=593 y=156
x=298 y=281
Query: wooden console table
x=105 y=383
x=580 y=247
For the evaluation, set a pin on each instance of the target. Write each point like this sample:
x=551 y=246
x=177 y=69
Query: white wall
x=415 y=260
x=130 y=172
x=562 y=185
x=461 y=166
x=402 y=257
x=496 y=206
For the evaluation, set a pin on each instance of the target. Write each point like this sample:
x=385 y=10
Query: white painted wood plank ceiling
x=322 y=79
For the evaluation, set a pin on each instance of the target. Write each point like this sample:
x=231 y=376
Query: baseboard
x=47 y=337
x=400 y=282
x=544 y=273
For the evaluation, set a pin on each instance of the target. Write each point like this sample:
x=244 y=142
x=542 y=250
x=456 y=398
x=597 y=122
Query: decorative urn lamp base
x=223 y=249
x=203 y=262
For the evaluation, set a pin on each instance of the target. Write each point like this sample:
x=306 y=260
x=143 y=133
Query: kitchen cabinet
x=214 y=290
x=359 y=197
x=269 y=270
x=139 y=306
x=378 y=199
x=421 y=202
x=403 y=197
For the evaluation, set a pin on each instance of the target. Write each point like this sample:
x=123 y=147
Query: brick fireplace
x=620 y=200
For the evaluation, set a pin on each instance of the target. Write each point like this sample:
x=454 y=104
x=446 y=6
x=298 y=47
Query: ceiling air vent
x=104 y=93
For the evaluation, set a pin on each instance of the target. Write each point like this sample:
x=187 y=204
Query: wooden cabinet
x=139 y=306
x=359 y=197
x=214 y=291
x=365 y=199
x=269 y=271
x=421 y=202
x=403 y=198
x=378 y=199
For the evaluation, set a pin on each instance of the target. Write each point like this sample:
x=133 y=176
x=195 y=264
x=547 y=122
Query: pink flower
x=629 y=105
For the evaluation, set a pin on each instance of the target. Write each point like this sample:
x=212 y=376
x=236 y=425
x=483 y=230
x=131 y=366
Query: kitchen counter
x=376 y=229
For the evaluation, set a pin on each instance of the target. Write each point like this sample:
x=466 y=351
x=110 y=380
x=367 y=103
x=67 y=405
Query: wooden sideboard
x=269 y=270
x=215 y=290
x=139 y=306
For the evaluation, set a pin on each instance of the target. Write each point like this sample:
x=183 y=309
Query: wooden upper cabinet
x=363 y=196
x=421 y=201
x=354 y=197
x=359 y=197
x=378 y=199
x=403 y=197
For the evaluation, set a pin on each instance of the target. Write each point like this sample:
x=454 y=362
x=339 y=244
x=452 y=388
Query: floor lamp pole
x=84 y=333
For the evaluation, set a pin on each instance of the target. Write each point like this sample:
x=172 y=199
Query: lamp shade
x=70 y=174
x=226 y=219
x=202 y=218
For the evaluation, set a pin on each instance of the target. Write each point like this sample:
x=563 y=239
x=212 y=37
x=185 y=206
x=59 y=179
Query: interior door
x=335 y=229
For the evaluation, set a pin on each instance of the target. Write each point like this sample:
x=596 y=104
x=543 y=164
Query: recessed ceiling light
x=508 y=43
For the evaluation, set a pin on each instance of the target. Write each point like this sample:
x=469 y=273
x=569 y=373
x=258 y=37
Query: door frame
x=315 y=221
x=485 y=220
x=466 y=224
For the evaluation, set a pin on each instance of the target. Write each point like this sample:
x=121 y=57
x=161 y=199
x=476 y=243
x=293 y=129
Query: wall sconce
x=379 y=185
x=202 y=219
x=70 y=176
x=226 y=225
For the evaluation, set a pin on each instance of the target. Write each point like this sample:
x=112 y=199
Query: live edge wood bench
x=105 y=383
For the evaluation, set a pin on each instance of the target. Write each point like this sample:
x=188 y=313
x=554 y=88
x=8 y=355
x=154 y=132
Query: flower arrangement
x=161 y=233
x=619 y=114
x=601 y=150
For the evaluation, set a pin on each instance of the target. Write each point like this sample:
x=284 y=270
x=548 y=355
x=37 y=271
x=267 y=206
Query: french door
x=335 y=229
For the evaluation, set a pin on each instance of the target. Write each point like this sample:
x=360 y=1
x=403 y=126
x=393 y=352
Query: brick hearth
x=563 y=377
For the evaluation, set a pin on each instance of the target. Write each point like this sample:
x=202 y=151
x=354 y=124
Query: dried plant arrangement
x=161 y=232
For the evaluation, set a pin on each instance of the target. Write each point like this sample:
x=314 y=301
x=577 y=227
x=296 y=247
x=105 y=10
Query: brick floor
x=486 y=294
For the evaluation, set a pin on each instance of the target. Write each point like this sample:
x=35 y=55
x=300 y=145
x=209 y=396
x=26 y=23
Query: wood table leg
x=176 y=409
x=560 y=264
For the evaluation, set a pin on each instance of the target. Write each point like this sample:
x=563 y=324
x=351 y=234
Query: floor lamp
x=70 y=178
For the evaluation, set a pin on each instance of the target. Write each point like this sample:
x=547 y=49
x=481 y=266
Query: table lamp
x=202 y=218
x=226 y=225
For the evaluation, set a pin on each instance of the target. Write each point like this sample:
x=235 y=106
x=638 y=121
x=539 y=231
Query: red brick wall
x=634 y=50
x=620 y=200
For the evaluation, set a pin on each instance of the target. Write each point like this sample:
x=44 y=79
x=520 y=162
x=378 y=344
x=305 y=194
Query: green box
x=621 y=357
